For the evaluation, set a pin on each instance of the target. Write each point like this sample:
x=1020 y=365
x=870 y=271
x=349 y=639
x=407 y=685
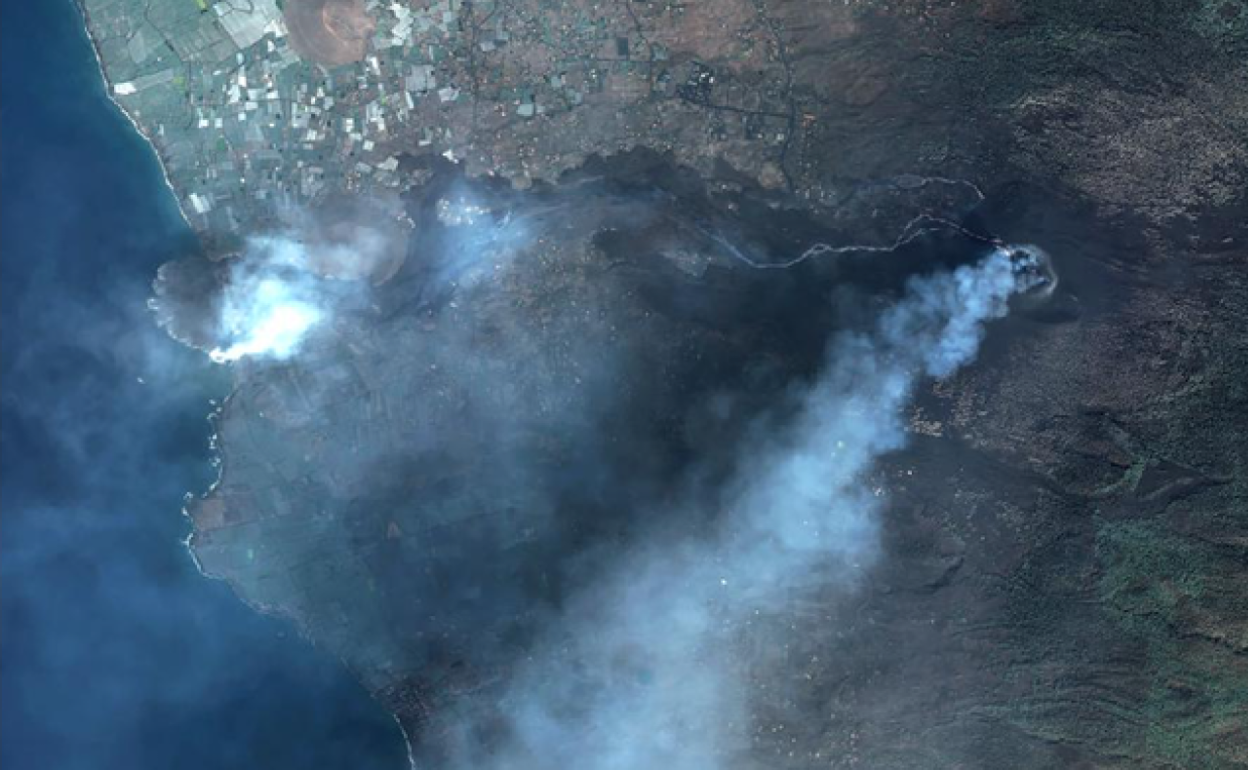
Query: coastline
x=217 y=460
x=107 y=81
x=106 y=418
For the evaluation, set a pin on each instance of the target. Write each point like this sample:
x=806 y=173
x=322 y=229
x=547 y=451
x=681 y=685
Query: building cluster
x=249 y=128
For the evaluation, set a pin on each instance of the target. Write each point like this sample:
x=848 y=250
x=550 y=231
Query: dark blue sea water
x=116 y=652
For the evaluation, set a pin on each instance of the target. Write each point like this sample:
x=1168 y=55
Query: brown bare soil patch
x=330 y=32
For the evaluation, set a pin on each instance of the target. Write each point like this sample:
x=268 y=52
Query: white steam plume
x=270 y=302
x=265 y=320
x=639 y=673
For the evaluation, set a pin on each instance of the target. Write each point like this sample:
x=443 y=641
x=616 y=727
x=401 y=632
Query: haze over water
x=129 y=657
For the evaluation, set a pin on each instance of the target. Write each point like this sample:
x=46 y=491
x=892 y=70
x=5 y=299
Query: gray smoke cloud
x=282 y=287
x=628 y=650
x=641 y=670
x=479 y=241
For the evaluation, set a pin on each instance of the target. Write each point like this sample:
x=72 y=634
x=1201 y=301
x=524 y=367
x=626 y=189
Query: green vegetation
x=1224 y=22
x=1155 y=585
x=1149 y=575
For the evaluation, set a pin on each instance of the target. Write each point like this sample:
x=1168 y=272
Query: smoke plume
x=272 y=301
x=574 y=595
x=639 y=672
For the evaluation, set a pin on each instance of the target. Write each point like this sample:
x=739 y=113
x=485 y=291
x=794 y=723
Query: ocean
x=116 y=652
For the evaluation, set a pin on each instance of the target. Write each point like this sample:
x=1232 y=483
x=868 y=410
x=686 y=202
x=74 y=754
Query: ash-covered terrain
x=729 y=386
